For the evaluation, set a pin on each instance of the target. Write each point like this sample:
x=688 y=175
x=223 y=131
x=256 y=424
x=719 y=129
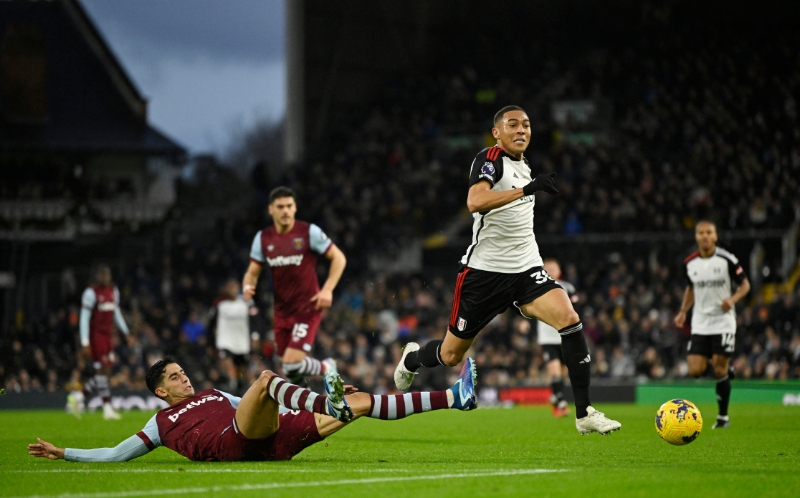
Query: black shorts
x=240 y=360
x=708 y=345
x=482 y=295
x=551 y=352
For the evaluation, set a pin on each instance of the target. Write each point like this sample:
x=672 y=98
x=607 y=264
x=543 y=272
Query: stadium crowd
x=627 y=311
x=695 y=130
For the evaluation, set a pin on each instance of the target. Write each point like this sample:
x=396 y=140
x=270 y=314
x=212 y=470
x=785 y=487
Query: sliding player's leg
x=257 y=413
x=460 y=396
x=555 y=309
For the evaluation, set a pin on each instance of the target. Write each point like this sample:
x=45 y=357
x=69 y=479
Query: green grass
x=758 y=456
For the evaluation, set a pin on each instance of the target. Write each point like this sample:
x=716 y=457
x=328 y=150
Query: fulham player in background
x=711 y=272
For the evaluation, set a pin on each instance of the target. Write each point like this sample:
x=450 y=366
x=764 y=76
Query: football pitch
x=487 y=452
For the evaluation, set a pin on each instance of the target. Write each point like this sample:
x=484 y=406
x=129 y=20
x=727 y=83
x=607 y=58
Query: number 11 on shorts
x=299 y=331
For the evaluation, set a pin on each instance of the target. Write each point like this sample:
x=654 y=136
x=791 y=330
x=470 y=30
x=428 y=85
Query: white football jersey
x=712 y=278
x=546 y=333
x=502 y=238
x=233 y=326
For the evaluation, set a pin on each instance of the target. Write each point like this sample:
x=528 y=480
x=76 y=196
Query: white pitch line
x=279 y=485
x=189 y=470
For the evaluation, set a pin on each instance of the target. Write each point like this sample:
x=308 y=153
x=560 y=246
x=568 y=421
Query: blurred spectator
x=193 y=328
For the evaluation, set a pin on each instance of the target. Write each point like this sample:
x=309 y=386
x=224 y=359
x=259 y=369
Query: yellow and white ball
x=679 y=422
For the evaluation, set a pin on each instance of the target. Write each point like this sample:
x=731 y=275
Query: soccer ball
x=679 y=422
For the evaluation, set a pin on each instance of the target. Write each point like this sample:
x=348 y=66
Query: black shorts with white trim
x=708 y=345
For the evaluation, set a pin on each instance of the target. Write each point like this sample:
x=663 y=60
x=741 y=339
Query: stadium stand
x=677 y=131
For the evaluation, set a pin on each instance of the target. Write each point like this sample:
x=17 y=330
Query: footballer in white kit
x=233 y=332
x=711 y=272
x=502 y=268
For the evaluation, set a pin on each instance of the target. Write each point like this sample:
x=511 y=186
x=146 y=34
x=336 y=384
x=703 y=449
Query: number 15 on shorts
x=299 y=331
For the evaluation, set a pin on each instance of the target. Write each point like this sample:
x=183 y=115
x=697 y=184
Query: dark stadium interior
x=654 y=115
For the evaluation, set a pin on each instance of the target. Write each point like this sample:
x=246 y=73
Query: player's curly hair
x=156 y=373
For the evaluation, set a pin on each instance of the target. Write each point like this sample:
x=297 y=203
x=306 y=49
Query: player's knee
x=265 y=376
x=360 y=403
x=567 y=318
x=696 y=372
x=720 y=371
x=451 y=358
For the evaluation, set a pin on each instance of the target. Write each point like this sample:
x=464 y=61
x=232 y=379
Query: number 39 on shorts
x=541 y=276
x=299 y=331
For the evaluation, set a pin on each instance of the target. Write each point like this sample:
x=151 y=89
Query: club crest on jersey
x=270 y=247
x=298 y=243
x=461 y=325
x=487 y=169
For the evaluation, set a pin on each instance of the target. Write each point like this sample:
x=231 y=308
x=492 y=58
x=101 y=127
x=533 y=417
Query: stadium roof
x=63 y=90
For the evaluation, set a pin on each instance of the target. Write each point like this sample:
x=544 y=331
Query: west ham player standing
x=100 y=310
x=290 y=248
x=502 y=267
x=711 y=271
x=233 y=330
x=550 y=342
x=213 y=425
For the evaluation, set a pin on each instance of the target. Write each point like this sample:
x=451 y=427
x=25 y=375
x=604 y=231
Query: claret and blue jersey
x=191 y=428
x=292 y=259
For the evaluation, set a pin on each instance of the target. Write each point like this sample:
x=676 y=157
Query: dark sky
x=208 y=67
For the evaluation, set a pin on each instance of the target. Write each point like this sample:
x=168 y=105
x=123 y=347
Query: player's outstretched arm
x=43 y=449
x=131 y=448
